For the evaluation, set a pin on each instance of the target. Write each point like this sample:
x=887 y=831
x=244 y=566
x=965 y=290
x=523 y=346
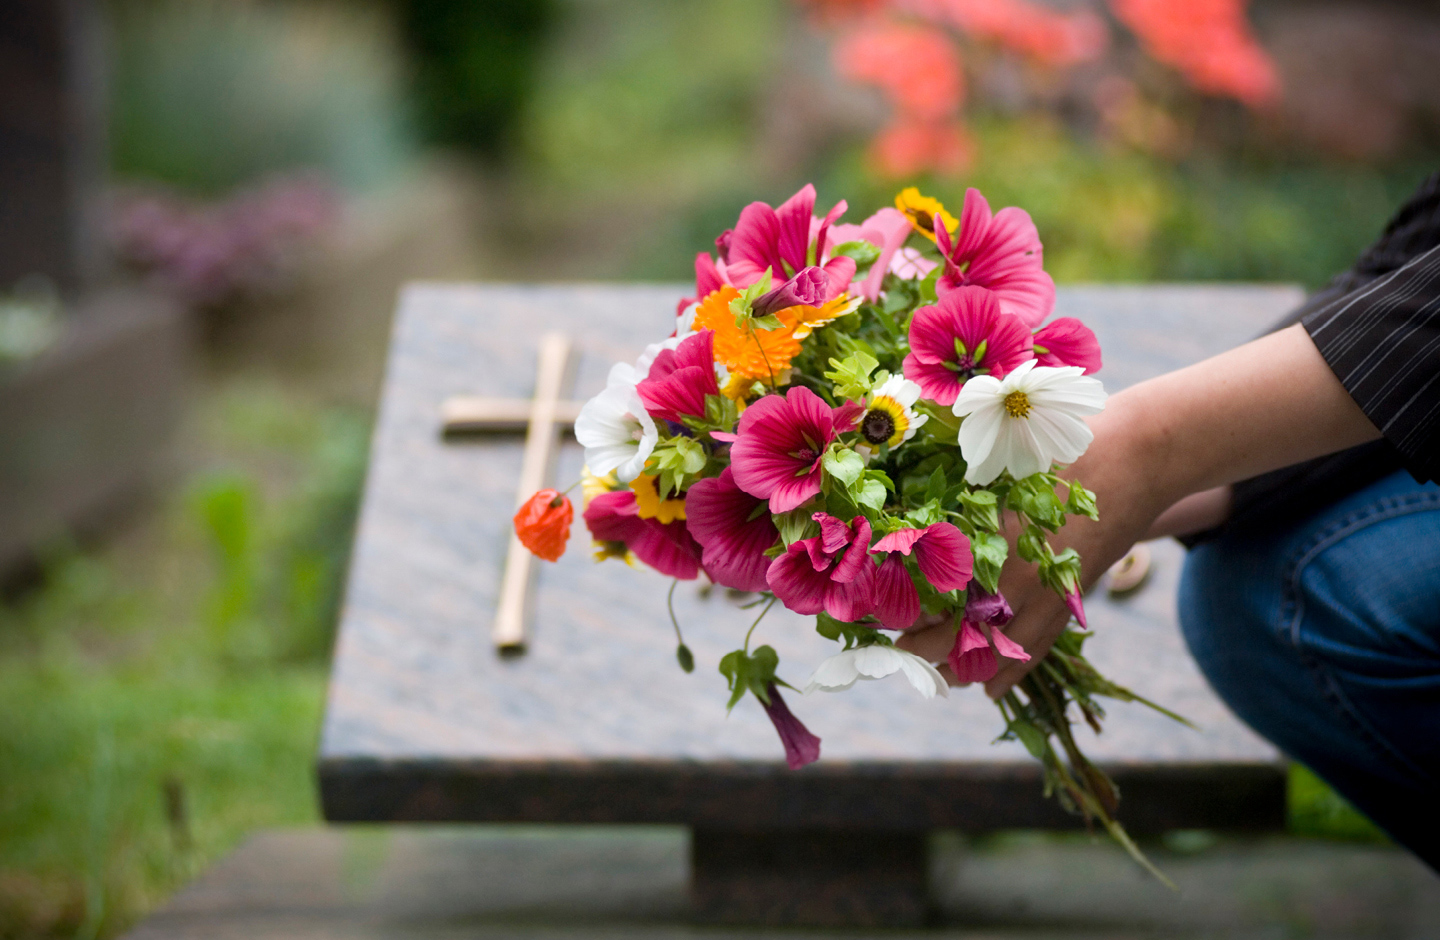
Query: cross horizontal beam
x=461 y=414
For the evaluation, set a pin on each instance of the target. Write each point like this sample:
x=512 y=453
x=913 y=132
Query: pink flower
x=779 y=443
x=962 y=335
x=679 y=379
x=801 y=747
x=972 y=658
x=810 y=288
x=1067 y=342
x=665 y=546
x=779 y=240
x=1001 y=252
x=1076 y=603
x=709 y=277
x=887 y=230
x=942 y=553
x=733 y=530
x=830 y=572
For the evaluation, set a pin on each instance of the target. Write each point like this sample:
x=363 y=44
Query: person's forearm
x=1265 y=405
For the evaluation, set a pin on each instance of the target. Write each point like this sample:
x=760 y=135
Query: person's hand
x=1130 y=501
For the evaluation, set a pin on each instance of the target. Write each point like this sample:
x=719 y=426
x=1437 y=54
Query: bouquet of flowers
x=862 y=422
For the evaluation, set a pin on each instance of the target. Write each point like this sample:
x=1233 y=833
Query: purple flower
x=801 y=747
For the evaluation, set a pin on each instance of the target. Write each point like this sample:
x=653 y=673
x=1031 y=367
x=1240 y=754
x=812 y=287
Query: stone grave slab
x=597 y=724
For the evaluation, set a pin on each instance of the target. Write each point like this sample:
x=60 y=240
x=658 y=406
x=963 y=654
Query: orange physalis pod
x=543 y=523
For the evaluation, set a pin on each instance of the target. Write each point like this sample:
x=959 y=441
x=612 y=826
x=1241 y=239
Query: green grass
x=161 y=697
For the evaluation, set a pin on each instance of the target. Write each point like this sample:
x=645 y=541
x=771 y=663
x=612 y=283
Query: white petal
x=1016 y=378
x=924 y=677
x=976 y=392
x=1024 y=454
x=979 y=430
x=876 y=662
x=835 y=674
x=623 y=373
x=1080 y=395
x=1062 y=437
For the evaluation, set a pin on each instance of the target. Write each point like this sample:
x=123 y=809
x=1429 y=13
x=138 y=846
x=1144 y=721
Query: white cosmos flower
x=840 y=671
x=1026 y=421
x=615 y=429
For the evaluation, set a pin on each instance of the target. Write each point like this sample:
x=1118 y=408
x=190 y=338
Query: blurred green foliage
x=208 y=95
x=1317 y=810
x=663 y=96
x=159 y=701
x=474 y=66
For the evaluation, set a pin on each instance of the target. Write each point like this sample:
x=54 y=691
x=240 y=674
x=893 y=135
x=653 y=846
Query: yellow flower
x=922 y=211
x=592 y=486
x=649 y=503
x=808 y=319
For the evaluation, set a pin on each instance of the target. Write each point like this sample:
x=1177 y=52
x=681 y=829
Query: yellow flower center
x=1017 y=405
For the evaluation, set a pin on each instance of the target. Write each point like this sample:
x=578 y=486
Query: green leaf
x=844 y=464
x=871 y=494
x=1032 y=545
x=767 y=322
x=982 y=509
x=1035 y=497
x=1030 y=736
x=936 y=487
x=882 y=477
x=927 y=286
x=864 y=253
x=851 y=375
x=1081 y=502
x=990 y=551
x=925 y=515
x=795 y=525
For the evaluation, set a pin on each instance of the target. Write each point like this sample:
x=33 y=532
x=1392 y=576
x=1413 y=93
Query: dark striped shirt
x=1383 y=343
x=1378 y=326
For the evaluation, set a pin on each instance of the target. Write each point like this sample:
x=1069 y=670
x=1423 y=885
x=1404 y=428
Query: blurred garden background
x=278 y=168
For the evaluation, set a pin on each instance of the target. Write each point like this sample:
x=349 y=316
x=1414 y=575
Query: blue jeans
x=1325 y=638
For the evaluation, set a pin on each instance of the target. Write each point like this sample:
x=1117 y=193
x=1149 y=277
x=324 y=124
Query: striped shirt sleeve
x=1382 y=341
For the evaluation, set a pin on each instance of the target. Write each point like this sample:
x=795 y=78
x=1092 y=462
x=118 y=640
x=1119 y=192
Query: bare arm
x=1265 y=405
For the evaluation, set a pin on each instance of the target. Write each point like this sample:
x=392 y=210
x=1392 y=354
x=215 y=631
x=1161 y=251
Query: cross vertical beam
x=542 y=439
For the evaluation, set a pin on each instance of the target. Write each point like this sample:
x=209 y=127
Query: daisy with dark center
x=890 y=417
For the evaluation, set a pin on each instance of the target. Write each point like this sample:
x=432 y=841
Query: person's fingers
x=930 y=642
x=1037 y=632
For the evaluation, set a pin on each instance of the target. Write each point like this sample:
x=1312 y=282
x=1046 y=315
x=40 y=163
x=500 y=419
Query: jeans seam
x=1293 y=610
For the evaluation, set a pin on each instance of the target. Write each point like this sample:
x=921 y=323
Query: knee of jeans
x=1229 y=611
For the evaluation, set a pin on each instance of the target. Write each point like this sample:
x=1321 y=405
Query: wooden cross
x=543 y=418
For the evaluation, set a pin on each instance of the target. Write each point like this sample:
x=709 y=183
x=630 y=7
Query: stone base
x=816 y=878
x=83 y=424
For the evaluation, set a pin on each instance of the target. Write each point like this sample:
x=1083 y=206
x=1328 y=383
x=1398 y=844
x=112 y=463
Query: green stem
x=757 y=623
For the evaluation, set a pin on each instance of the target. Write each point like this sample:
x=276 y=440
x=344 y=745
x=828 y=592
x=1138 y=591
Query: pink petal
x=721 y=517
x=856 y=561
x=752 y=248
x=823 y=228
x=1076 y=604
x=1068 y=342
x=971 y=658
x=840 y=271
x=707 y=276
x=834 y=534
x=899 y=541
x=943 y=556
x=888 y=230
x=793 y=236
x=847 y=415
x=668 y=548
x=936 y=382
x=855 y=598
x=796 y=582
x=897 y=603
x=1007 y=647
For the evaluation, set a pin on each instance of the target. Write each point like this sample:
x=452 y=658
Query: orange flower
x=748 y=352
x=543 y=524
